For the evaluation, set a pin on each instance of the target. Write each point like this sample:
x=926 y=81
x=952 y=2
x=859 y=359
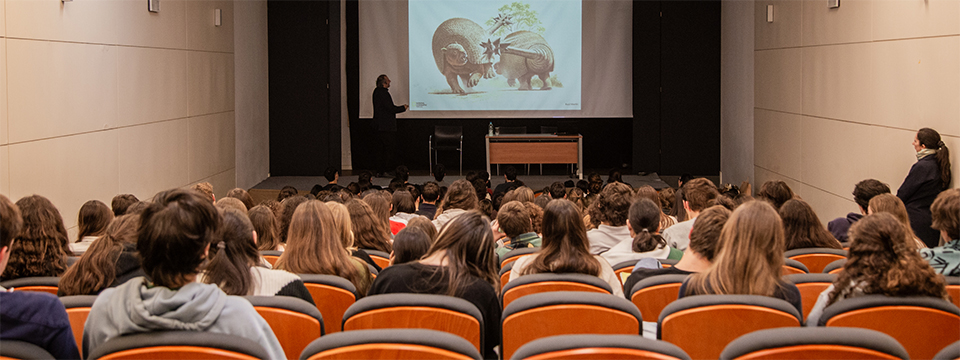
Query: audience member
x=460 y=198
x=231 y=203
x=92 y=220
x=677 y=210
x=121 y=202
x=927 y=177
x=698 y=194
x=862 y=193
x=891 y=204
x=410 y=244
x=649 y=192
x=109 y=262
x=286 y=192
x=41 y=248
x=803 y=229
x=332 y=175
x=265 y=224
x=510 y=181
x=460 y=263
x=614 y=176
x=425 y=225
x=557 y=191
x=34 y=317
x=611 y=210
x=344 y=229
x=368 y=231
x=287 y=208
x=575 y=195
x=536 y=216
x=380 y=201
x=206 y=189
x=515 y=222
x=241 y=195
x=522 y=194
x=882 y=261
x=643 y=224
x=174 y=238
x=428 y=200
x=945 y=258
x=566 y=248
x=667 y=197
x=404 y=209
x=776 y=192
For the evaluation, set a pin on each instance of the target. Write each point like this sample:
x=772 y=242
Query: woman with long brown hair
x=313 y=247
x=110 y=261
x=41 y=248
x=461 y=263
x=888 y=203
x=803 y=229
x=882 y=261
x=460 y=198
x=749 y=258
x=92 y=220
x=344 y=229
x=233 y=263
x=369 y=232
x=927 y=177
x=265 y=224
x=566 y=248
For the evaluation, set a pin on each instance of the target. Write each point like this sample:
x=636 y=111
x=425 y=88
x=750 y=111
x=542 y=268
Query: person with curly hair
x=41 y=249
x=610 y=210
x=882 y=261
x=945 y=259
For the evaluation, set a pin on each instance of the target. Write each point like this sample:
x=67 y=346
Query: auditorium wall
x=103 y=97
x=840 y=93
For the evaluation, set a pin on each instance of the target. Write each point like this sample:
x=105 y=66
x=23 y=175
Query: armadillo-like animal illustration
x=526 y=54
x=458 y=52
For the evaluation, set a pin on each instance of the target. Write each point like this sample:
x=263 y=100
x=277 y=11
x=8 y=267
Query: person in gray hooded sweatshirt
x=176 y=231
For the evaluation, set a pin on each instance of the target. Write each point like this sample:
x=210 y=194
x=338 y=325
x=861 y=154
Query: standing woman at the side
x=927 y=177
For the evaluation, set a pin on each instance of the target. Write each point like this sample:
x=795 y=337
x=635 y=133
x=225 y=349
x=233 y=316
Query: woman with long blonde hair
x=344 y=229
x=889 y=203
x=749 y=258
x=314 y=247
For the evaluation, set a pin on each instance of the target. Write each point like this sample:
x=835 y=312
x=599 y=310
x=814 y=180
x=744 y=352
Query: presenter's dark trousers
x=386 y=151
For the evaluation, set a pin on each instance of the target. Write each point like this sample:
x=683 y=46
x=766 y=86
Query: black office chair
x=446 y=138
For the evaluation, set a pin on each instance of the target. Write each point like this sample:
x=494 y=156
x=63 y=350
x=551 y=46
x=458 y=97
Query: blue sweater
x=37 y=318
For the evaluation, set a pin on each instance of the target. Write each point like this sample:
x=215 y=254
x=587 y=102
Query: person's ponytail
x=943 y=160
x=646 y=241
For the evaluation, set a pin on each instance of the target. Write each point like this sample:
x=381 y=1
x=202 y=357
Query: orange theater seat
x=384 y=344
x=814 y=343
x=588 y=346
x=791 y=266
x=810 y=286
x=654 y=293
x=505 y=275
x=78 y=308
x=381 y=258
x=271 y=256
x=294 y=321
x=16 y=350
x=178 y=345
x=332 y=296
x=953 y=289
x=47 y=284
x=516 y=254
x=417 y=311
x=623 y=270
x=540 y=283
x=815 y=259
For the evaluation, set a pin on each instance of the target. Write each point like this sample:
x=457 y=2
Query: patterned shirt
x=524 y=240
x=944 y=259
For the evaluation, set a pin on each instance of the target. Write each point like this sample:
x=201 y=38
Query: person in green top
x=515 y=222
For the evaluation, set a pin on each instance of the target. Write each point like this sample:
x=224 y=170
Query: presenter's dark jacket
x=917 y=192
x=384 y=111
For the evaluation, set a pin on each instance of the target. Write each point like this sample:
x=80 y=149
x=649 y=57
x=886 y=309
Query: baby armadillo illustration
x=523 y=55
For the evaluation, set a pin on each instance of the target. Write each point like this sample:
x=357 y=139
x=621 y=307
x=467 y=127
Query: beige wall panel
x=829 y=206
x=222 y=182
x=890 y=155
x=3 y=17
x=89 y=21
x=59 y=88
x=210 y=82
x=916 y=83
x=5 y=170
x=153 y=84
x=848 y=23
x=4 y=130
x=140 y=27
x=211 y=145
x=836 y=82
x=953 y=142
x=777 y=80
x=153 y=157
x=68 y=170
x=830 y=161
x=784 y=31
x=898 y=19
x=777 y=142
x=764 y=175
x=201 y=32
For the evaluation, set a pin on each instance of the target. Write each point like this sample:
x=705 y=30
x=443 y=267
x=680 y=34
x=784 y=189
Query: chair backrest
x=447 y=135
x=791 y=266
x=381 y=258
x=16 y=349
x=589 y=346
x=923 y=325
x=624 y=267
x=834 y=267
x=386 y=344
x=547 y=282
x=47 y=284
x=810 y=286
x=814 y=343
x=951 y=352
x=654 y=293
x=78 y=308
x=703 y=325
x=953 y=289
x=417 y=311
x=506 y=130
x=515 y=254
x=815 y=258
x=178 y=345
x=505 y=275
x=294 y=321
x=271 y=255
x=72 y=260
x=565 y=312
x=668 y=262
x=332 y=295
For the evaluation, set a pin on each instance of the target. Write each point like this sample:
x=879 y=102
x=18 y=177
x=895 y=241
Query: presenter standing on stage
x=385 y=122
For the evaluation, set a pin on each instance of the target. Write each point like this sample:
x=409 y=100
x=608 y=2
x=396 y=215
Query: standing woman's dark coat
x=917 y=192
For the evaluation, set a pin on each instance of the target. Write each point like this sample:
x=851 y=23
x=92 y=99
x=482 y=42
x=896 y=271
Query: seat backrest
x=294 y=321
x=381 y=258
x=951 y=352
x=565 y=312
x=515 y=254
x=623 y=269
x=815 y=258
x=78 y=308
x=654 y=293
x=16 y=349
x=791 y=266
x=383 y=344
x=179 y=345
x=271 y=255
x=814 y=343
x=447 y=135
x=703 y=325
x=668 y=262
x=540 y=283
x=505 y=275
x=810 y=286
x=47 y=284
x=417 y=311
x=332 y=296
x=835 y=266
x=919 y=323
x=953 y=289
x=589 y=346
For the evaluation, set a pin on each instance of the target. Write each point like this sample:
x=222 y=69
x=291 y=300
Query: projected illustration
x=512 y=64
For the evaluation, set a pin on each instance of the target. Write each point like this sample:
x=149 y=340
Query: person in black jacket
x=385 y=123
x=927 y=177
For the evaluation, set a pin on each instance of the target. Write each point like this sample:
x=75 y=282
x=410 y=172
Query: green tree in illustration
x=521 y=18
